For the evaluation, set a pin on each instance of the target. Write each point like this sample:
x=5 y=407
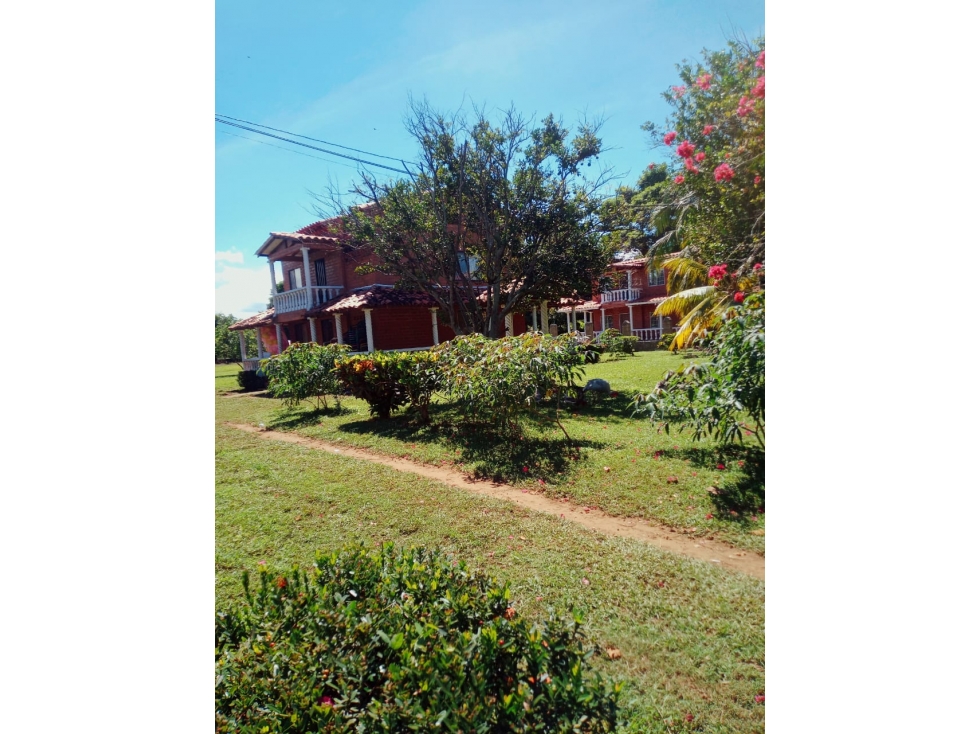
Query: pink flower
x=650 y=166
x=708 y=129
x=759 y=89
x=757 y=180
x=688 y=162
x=679 y=179
x=678 y=91
x=685 y=149
x=760 y=699
x=723 y=172
x=669 y=137
x=738 y=297
x=717 y=272
x=745 y=106
x=525 y=470
x=700 y=156
x=760 y=63
x=326 y=701
x=709 y=516
x=703 y=81
x=758 y=266
x=721 y=466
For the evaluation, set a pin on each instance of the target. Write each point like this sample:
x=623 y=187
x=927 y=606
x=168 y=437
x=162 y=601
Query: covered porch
x=631 y=318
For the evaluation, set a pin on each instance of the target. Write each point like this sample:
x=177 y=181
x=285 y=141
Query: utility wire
x=313 y=147
x=288 y=150
x=315 y=140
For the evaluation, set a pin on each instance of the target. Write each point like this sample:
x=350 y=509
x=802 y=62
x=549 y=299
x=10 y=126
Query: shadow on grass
x=743 y=489
x=302 y=416
x=489 y=450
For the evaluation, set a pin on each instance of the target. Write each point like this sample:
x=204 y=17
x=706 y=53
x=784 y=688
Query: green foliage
x=666 y=340
x=388 y=380
x=496 y=217
x=614 y=344
x=305 y=370
x=714 y=397
x=399 y=641
x=493 y=379
x=717 y=221
x=226 y=343
x=252 y=380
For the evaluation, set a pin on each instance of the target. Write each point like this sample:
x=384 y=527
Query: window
x=609 y=322
x=467 y=263
x=295 y=279
x=657 y=277
x=655 y=322
x=320 y=266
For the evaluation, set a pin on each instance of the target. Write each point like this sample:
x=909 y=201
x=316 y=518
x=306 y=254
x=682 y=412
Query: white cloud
x=241 y=291
x=229 y=256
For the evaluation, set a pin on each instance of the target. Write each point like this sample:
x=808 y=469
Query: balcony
x=622 y=294
x=298 y=298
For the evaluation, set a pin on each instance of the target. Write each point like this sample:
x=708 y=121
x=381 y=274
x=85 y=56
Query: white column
x=336 y=318
x=308 y=280
x=370 y=330
x=628 y=275
x=279 y=339
x=258 y=341
x=574 y=318
x=543 y=316
x=601 y=326
x=534 y=312
x=244 y=345
x=272 y=273
x=312 y=330
x=568 y=315
x=509 y=324
x=435 y=326
x=632 y=324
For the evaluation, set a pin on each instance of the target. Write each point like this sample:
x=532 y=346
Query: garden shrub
x=614 y=343
x=400 y=641
x=493 y=379
x=252 y=380
x=304 y=370
x=715 y=397
x=665 y=340
x=388 y=380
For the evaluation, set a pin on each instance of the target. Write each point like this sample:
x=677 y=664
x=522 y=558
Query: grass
x=691 y=635
x=627 y=466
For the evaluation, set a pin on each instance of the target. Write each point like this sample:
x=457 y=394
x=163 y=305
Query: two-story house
x=627 y=306
x=326 y=300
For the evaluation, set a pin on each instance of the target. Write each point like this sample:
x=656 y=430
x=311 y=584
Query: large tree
x=227 y=345
x=492 y=219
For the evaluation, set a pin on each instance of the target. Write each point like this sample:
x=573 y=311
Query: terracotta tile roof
x=636 y=262
x=252 y=322
x=376 y=296
x=649 y=301
x=580 y=306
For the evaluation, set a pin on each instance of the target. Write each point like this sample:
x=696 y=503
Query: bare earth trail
x=660 y=536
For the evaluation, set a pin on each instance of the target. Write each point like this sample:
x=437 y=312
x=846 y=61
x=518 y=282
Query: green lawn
x=691 y=635
x=626 y=467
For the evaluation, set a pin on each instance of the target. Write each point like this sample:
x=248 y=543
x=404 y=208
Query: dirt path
x=661 y=536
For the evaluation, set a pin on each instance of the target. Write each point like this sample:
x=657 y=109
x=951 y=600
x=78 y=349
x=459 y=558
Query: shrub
x=375 y=378
x=399 y=641
x=252 y=380
x=493 y=379
x=304 y=371
x=716 y=396
x=665 y=340
x=612 y=342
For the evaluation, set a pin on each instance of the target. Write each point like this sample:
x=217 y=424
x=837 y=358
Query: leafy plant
x=303 y=371
x=388 y=380
x=614 y=343
x=494 y=379
x=665 y=340
x=400 y=641
x=252 y=380
x=716 y=396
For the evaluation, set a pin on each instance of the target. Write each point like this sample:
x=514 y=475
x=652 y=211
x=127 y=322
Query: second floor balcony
x=302 y=299
x=620 y=294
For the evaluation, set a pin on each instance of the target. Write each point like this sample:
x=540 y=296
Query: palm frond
x=680 y=304
x=684 y=273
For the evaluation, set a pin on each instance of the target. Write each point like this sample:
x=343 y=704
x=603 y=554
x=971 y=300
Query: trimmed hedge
x=400 y=641
x=252 y=380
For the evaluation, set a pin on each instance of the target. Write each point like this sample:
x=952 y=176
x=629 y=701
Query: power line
x=315 y=140
x=313 y=147
x=289 y=150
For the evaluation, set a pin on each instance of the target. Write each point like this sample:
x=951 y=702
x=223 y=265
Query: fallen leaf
x=613 y=653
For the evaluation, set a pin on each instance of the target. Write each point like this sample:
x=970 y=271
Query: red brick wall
x=403 y=327
x=353 y=280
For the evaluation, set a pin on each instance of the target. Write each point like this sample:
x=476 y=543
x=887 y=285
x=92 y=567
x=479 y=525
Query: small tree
x=305 y=371
x=493 y=219
x=715 y=398
x=226 y=342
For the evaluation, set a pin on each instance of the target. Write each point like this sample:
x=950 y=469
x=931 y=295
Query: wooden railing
x=296 y=299
x=621 y=294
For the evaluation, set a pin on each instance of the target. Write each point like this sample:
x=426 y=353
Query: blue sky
x=343 y=72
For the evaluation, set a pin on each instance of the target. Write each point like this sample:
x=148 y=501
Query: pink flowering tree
x=713 y=206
